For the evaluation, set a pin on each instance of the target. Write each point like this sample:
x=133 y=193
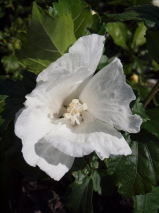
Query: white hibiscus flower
x=72 y=113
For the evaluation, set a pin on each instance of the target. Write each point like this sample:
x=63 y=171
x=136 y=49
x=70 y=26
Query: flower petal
x=83 y=139
x=48 y=158
x=59 y=81
x=108 y=141
x=53 y=94
x=70 y=140
x=83 y=55
x=60 y=162
x=108 y=97
x=31 y=125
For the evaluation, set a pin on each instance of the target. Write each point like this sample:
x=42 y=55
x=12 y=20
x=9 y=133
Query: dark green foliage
x=79 y=197
x=152 y=44
x=15 y=92
x=147 y=203
x=50 y=34
x=139 y=110
x=102 y=182
x=138 y=172
x=81 y=14
x=152 y=125
x=150 y=14
x=44 y=41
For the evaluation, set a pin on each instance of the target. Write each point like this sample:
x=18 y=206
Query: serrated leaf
x=102 y=182
x=139 y=172
x=152 y=125
x=138 y=38
x=79 y=197
x=46 y=40
x=16 y=91
x=147 y=203
x=118 y=32
x=152 y=40
x=81 y=13
x=140 y=110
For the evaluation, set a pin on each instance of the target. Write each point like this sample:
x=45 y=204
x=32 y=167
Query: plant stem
x=153 y=92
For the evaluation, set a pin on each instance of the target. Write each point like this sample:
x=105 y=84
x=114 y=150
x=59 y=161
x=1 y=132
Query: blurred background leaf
x=118 y=31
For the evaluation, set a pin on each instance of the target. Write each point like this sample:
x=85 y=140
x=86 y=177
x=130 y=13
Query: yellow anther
x=74 y=111
x=71 y=104
x=67 y=115
x=69 y=109
x=75 y=101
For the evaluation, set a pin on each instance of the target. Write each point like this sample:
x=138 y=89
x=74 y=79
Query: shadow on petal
x=52 y=155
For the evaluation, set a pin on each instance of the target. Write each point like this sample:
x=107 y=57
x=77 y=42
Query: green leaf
x=139 y=39
x=46 y=40
x=81 y=163
x=103 y=62
x=142 y=90
x=79 y=197
x=16 y=91
x=147 y=203
x=102 y=182
x=139 y=172
x=140 y=110
x=118 y=32
x=81 y=13
x=10 y=63
x=147 y=12
x=152 y=41
x=82 y=175
x=126 y=16
x=150 y=14
x=152 y=125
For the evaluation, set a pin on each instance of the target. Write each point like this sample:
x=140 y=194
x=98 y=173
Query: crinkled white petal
x=108 y=141
x=83 y=139
x=70 y=140
x=60 y=162
x=108 y=97
x=54 y=95
x=48 y=158
x=31 y=125
x=83 y=55
x=60 y=80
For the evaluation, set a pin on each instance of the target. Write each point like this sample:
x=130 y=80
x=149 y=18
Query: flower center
x=74 y=111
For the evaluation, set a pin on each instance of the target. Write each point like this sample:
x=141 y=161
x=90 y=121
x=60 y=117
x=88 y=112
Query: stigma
x=74 y=112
